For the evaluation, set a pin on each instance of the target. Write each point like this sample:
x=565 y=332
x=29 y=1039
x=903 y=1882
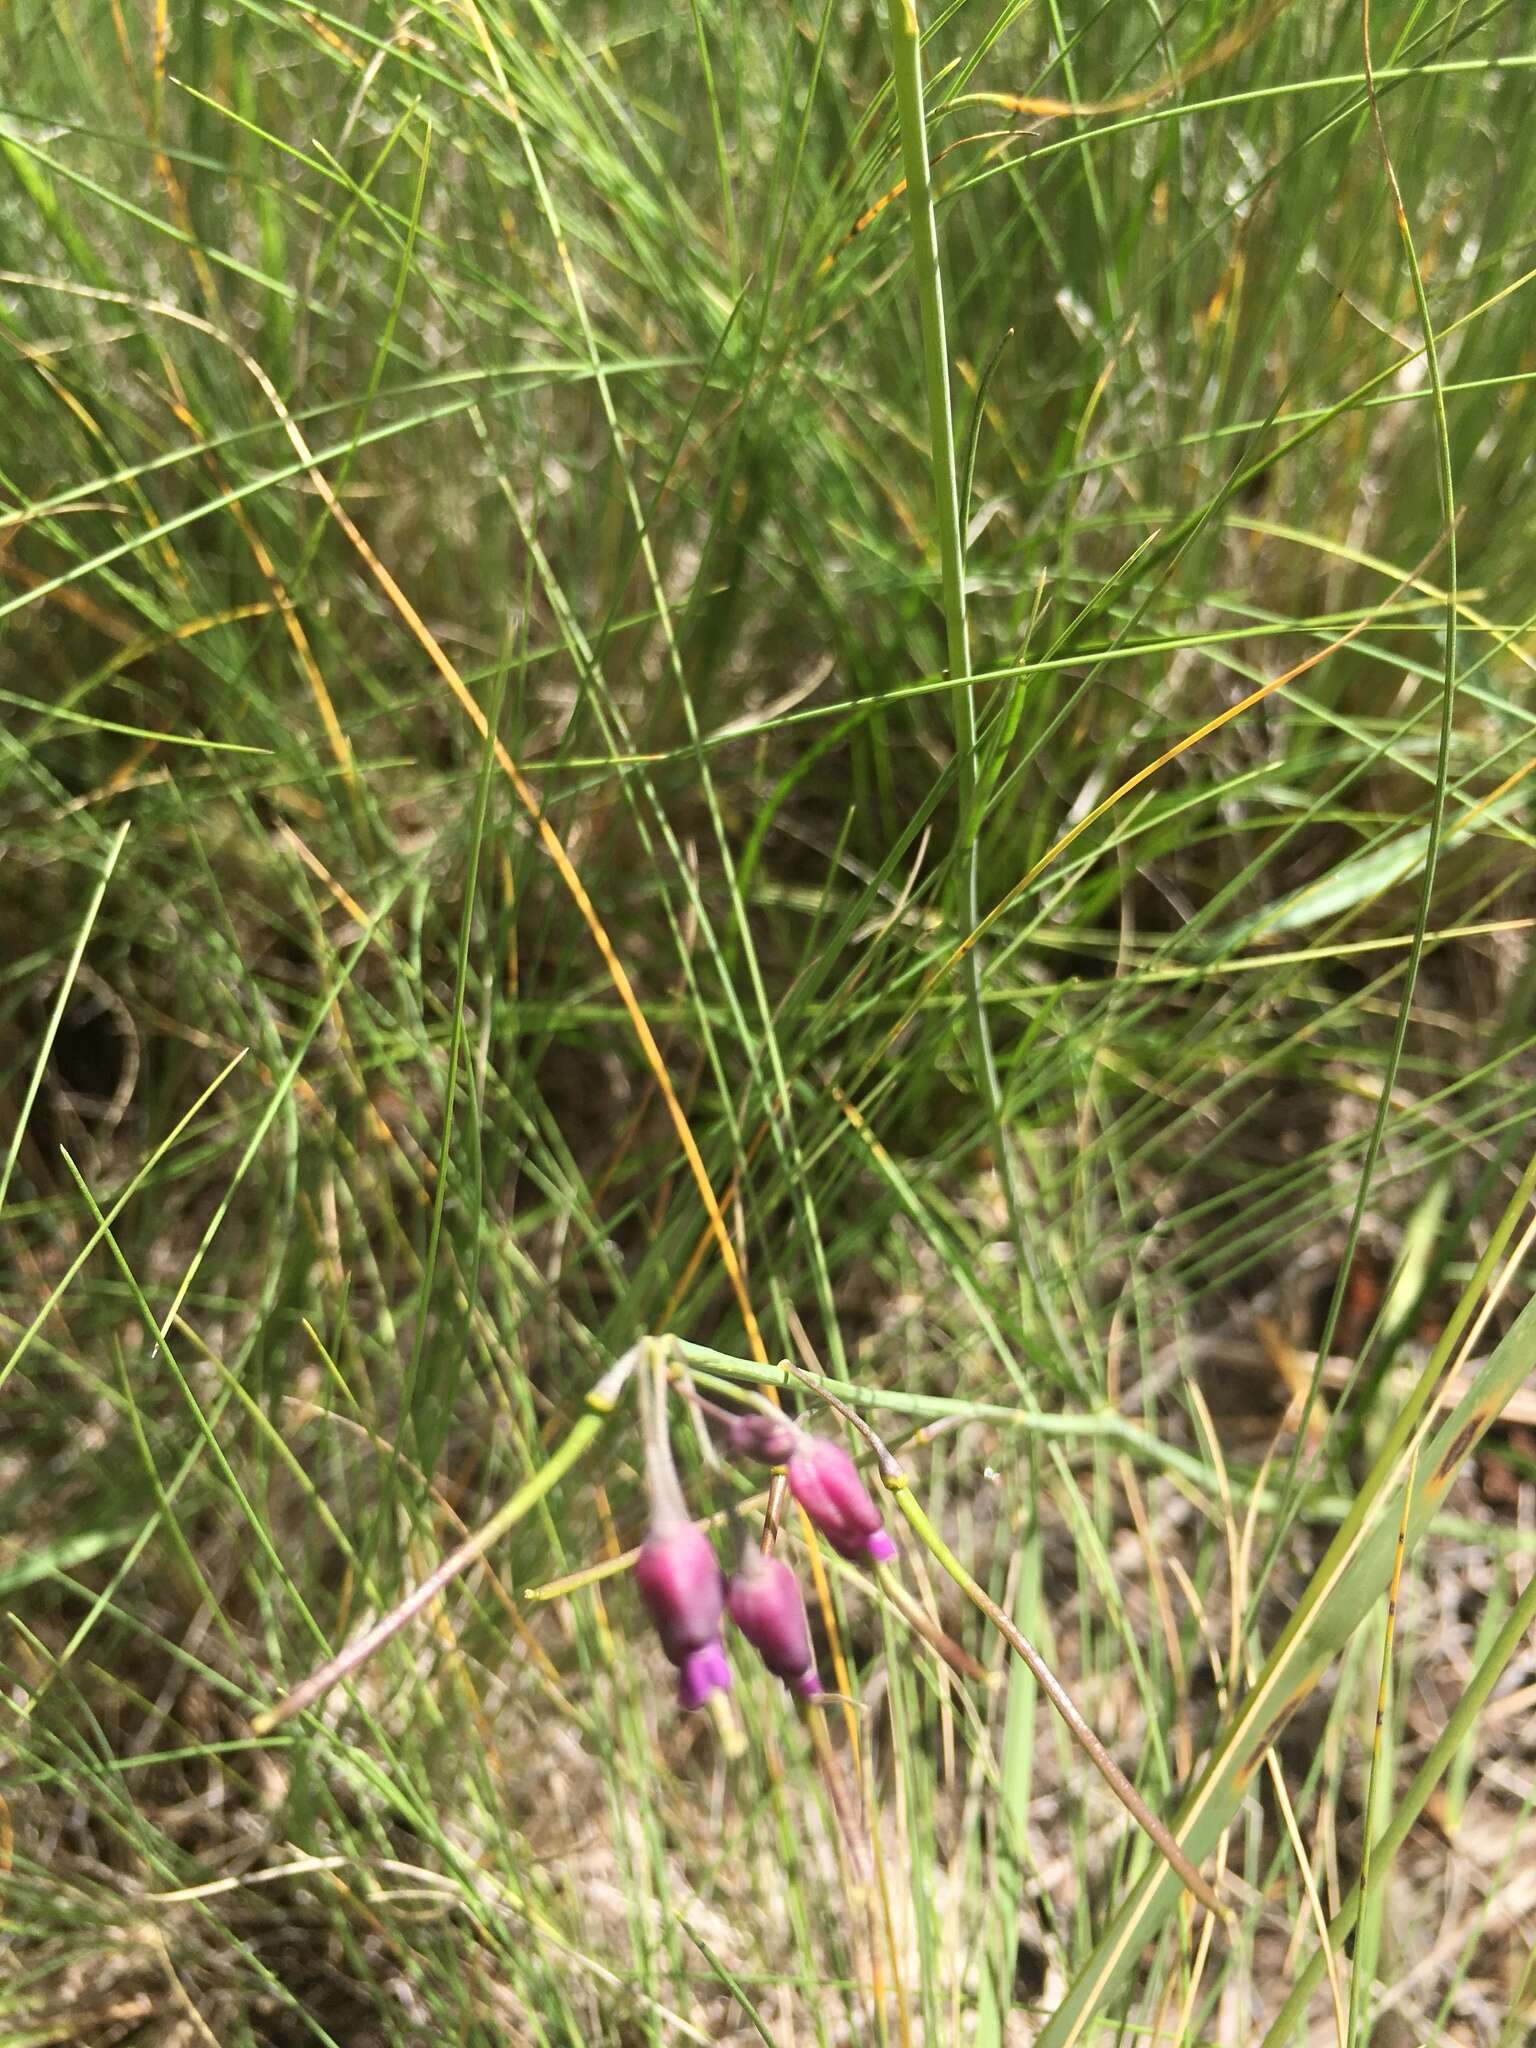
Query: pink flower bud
x=701 y=1673
x=765 y=1603
x=681 y=1584
x=823 y=1479
x=677 y=1572
x=768 y=1438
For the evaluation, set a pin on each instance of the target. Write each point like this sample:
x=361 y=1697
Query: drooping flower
x=765 y=1603
x=825 y=1481
x=678 y=1574
x=770 y=1439
x=683 y=1588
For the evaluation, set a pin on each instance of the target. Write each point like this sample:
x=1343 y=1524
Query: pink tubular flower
x=701 y=1673
x=768 y=1438
x=822 y=1477
x=825 y=1482
x=682 y=1586
x=765 y=1603
x=679 y=1576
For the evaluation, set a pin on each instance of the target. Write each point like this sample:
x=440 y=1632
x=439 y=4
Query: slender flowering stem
x=895 y=1481
x=1106 y=1425
x=668 y=1507
x=600 y=1403
x=922 y=1623
x=1118 y=1783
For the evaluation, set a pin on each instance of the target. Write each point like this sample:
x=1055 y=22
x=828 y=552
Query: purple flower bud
x=768 y=1438
x=701 y=1673
x=765 y=1603
x=683 y=1588
x=678 y=1574
x=823 y=1479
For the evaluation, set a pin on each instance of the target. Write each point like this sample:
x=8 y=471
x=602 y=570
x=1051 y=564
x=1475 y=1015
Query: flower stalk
x=895 y=1481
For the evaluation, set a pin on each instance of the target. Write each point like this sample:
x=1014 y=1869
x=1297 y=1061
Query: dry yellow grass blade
x=565 y=868
x=1118 y=795
x=1049 y=109
x=549 y=838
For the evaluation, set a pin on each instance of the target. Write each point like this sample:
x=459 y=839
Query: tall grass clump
x=851 y=688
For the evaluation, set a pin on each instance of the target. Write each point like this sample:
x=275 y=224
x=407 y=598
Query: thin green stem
x=896 y=1483
x=950 y=511
x=1506 y=1645
x=1099 y=1425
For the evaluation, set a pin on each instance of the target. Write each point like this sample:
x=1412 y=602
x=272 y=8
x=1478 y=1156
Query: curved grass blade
x=1355 y=1573
x=1505 y=1646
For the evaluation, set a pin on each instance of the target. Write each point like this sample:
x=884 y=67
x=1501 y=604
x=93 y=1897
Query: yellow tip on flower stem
x=728 y=1729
